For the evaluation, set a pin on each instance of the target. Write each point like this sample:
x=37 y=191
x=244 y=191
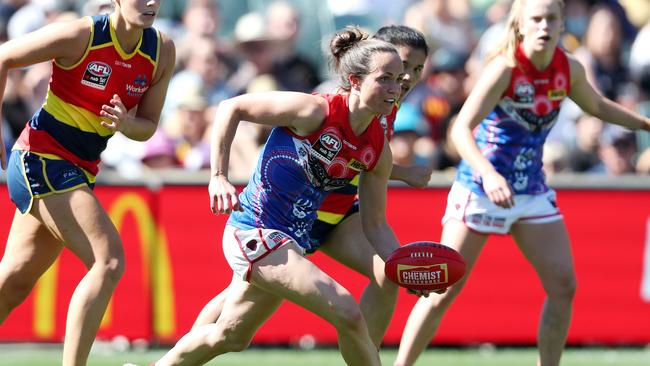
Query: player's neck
x=540 y=59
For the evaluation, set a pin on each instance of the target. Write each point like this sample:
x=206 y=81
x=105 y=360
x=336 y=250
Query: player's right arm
x=64 y=41
x=300 y=112
x=484 y=97
x=417 y=176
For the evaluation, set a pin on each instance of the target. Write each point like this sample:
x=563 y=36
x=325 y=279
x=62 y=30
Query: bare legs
x=74 y=219
x=427 y=313
x=284 y=274
x=348 y=245
x=31 y=249
x=546 y=247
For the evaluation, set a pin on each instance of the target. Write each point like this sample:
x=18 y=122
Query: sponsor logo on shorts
x=422 y=275
x=276 y=238
x=96 y=75
x=487 y=220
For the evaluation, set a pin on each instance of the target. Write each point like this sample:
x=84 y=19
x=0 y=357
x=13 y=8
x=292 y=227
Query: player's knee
x=238 y=344
x=111 y=269
x=231 y=340
x=563 y=287
x=348 y=315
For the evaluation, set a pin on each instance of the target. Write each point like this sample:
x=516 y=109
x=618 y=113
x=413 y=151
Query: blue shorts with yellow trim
x=320 y=230
x=32 y=176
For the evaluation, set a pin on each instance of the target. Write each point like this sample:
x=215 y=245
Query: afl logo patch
x=326 y=147
x=330 y=142
x=524 y=92
x=96 y=75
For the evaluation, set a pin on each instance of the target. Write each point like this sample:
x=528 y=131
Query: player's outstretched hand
x=116 y=113
x=223 y=195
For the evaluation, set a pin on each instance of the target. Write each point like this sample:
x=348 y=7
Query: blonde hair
x=509 y=44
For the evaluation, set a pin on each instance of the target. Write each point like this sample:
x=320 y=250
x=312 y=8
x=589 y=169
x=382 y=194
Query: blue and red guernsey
x=68 y=124
x=295 y=173
x=339 y=201
x=512 y=136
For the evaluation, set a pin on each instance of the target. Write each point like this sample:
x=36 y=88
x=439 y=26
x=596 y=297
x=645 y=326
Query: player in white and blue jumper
x=500 y=186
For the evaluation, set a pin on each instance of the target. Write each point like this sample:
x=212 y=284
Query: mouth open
x=545 y=38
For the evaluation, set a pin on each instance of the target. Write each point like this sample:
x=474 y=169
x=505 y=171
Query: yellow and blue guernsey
x=67 y=126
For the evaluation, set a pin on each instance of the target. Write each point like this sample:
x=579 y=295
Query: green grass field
x=39 y=355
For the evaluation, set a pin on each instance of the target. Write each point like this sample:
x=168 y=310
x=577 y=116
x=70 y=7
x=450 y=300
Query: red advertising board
x=175 y=265
x=42 y=316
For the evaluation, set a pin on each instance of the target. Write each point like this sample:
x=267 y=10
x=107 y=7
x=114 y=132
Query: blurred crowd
x=230 y=47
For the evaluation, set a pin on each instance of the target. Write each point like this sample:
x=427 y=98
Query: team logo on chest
x=96 y=75
x=524 y=92
x=327 y=147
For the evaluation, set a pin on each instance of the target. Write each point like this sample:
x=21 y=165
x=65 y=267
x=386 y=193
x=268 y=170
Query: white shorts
x=483 y=216
x=242 y=248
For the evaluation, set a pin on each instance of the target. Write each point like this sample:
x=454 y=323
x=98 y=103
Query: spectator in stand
x=617 y=151
x=583 y=155
x=292 y=70
x=255 y=46
x=204 y=72
x=601 y=52
x=201 y=19
x=189 y=132
x=440 y=26
x=576 y=22
x=159 y=152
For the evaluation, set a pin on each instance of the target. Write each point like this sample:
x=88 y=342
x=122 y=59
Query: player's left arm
x=372 y=204
x=592 y=102
x=143 y=124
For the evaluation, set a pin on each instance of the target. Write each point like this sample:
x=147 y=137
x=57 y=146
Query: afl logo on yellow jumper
x=96 y=75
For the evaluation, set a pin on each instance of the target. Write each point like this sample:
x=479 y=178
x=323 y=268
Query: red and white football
x=425 y=265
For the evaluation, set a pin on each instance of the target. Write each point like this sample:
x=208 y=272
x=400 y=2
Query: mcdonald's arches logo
x=156 y=272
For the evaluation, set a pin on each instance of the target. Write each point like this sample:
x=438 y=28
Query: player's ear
x=355 y=82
